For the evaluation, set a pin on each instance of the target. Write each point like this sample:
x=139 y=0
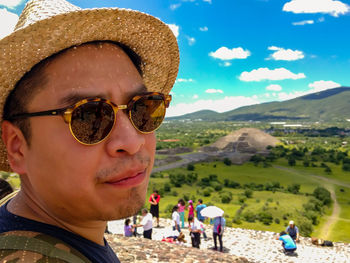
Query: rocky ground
x=241 y=246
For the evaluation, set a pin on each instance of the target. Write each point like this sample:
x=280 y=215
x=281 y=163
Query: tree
x=265 y=217
x=291 y=161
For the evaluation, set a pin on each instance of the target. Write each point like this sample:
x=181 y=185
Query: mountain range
x=332 y=105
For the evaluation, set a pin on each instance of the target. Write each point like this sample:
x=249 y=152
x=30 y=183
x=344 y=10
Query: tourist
x=146 y=223
x=293 y=231
x=128 y=229
x=182 y=206
x=288 y=243
x=218 y=231
x=190 y=209
x=201 y=218
x=176 y=219
x=194 y=227
x=82 y=92
x=154 y=201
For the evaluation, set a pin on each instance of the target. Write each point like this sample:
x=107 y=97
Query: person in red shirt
x=154 y=201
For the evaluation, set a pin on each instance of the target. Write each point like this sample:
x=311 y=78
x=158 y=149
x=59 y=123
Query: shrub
x=328 y=170
x=277 y=220
x=265 y=217
x=174 y=193
x=323 y=195
x=226 y=197
x=305 y=227
x=248 y=193
x=227 y=161
x=294 y=188
x=177 y=179
x=249 y=216
x=241 y=199
x=207 y=191
x=217 y=186
x=191 y=178
x=186 y=197
x=167 y=187
x=237 y=220
x=190 y=167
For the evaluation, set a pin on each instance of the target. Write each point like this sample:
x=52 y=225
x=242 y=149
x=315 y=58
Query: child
x=128 y=230
x=176 y=219
x=182 y=206
x=190 y=209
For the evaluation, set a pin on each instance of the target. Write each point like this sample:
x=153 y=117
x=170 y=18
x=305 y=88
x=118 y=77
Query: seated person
x=287 y=242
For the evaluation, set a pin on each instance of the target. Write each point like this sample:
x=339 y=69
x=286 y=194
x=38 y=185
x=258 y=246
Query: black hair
x=127 y=221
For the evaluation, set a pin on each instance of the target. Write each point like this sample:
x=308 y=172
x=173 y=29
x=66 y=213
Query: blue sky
x=241 y=52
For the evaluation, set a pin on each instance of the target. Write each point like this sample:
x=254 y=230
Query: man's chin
x=128 y=207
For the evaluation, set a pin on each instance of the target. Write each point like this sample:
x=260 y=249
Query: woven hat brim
x=150 y=38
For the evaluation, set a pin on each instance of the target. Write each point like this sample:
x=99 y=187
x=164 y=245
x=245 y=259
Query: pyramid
x=248 y=140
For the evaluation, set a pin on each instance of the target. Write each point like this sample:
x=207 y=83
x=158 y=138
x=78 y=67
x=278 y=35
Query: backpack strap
x=8 y=197
x=17 y=244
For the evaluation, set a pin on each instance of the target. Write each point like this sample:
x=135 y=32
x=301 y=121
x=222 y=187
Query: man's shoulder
x=25 y=246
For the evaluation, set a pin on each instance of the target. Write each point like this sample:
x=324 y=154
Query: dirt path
x=329 y=184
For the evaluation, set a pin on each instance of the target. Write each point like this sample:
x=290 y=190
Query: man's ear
x=16 y=146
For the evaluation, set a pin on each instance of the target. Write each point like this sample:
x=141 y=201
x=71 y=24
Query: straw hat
x=48 y=26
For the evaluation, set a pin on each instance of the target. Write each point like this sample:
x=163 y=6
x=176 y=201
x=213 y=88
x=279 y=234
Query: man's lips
x=130 y=180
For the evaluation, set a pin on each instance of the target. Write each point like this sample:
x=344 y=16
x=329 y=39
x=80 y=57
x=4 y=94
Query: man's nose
x=124 y=138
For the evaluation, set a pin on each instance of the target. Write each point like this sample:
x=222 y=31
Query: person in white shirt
x=176 y=219
x=195 y=231
x=146 y=223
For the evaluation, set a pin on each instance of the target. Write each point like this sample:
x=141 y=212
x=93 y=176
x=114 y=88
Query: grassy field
x=284 y=206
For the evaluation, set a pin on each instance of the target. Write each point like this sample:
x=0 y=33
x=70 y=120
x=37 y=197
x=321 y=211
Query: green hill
x=331 y=105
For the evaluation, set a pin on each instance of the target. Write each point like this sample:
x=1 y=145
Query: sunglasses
x=91 y=120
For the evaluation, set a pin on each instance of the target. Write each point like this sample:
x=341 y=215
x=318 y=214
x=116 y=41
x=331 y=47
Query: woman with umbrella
x=219 y=223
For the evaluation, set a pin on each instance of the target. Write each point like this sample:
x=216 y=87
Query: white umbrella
x=212 y=211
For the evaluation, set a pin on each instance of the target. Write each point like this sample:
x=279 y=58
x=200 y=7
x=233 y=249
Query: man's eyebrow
x=71 y=99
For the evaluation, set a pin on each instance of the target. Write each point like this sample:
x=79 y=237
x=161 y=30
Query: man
x=154 y=201
x=146 y=223
x=201 y=218
x=194 y=227
x=293 y=231
x=218 y=231
x=78 y=124
x=287 y=242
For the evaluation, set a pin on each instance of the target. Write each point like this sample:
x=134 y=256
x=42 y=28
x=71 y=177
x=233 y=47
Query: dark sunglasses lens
x=147 y=113
x=92 y=122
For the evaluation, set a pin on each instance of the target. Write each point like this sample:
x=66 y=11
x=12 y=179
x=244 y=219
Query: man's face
x=75 y=182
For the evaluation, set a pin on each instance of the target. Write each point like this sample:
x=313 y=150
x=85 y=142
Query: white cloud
x=10 y=3
x=208 y=1
x=221 y=105
x=321 y=19
x=268 y=74
x=195 y=96
x=285 y=54
x=332 y=7
x=225 y=64
x=175 y=29
x=323 y=85
x=291 y=95
x=304 y=22
x=224 y=53
x=8 y=21
x=214 y=91
x=184 y=80
x=191 y=40
x=203 y=29
x=274 y=87
x=175 y=6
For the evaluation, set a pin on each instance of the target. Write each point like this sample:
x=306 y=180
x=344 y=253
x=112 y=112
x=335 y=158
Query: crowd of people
x=195 y=222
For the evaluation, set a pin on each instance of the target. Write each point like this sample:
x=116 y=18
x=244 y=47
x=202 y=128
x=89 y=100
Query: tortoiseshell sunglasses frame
x=67 y=112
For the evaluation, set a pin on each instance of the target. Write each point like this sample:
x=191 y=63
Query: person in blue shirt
x=287 y=242
x=218 y=231
x=201 y=218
